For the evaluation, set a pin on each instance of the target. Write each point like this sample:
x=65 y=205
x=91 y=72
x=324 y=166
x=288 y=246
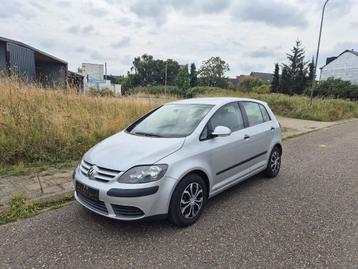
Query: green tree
x=275 y=84
x=285 y=81
x=149 y=71
x=193 y=75
x=172 y=71
x=182 y=80
x=311 y=73
x=212 y=73
x=297 y=69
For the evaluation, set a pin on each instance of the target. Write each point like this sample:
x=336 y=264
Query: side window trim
x=244 y=115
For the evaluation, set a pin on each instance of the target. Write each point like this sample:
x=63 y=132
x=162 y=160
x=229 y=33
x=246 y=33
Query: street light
x=317 y=53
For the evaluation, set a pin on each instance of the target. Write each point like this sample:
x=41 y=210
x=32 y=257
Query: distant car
x=176 y=157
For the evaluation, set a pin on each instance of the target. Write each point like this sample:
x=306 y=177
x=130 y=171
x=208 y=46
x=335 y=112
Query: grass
x=43 y=125
x=299 y=106
x=41 y=128
x=20 y=208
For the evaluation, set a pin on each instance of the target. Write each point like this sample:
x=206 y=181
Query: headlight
x=143 y=174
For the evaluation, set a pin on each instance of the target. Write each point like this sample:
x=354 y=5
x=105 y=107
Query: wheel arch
x=199 y=172
x=279 y=146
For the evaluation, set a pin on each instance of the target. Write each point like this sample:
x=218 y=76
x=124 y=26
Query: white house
x=344 y=66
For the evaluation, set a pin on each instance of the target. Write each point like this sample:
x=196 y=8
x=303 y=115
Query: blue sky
x=249 y=35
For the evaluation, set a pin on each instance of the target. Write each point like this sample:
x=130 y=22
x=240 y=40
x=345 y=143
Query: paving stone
x=52 y=189
x=68 y=186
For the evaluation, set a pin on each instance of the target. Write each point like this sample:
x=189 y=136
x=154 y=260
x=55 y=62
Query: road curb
x=298 y=134
x=68 y=194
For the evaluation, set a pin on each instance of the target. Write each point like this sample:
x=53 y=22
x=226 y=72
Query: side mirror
x=221 y=131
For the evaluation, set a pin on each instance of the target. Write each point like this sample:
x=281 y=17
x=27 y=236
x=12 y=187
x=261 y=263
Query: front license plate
x=86 y=191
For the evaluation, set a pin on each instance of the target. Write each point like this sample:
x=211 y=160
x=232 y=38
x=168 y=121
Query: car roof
x=214 y=100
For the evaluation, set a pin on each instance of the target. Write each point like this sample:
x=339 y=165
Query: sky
x=250 y=35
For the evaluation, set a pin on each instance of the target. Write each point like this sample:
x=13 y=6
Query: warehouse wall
x=51 y=73
x=22 y=61
x=2 y=58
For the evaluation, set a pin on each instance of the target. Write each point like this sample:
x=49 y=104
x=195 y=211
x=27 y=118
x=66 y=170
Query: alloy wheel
x=275 y=162
x=191 y=200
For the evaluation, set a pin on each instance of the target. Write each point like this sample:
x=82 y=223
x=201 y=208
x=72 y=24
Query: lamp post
x=317 y=53
x=166 y=77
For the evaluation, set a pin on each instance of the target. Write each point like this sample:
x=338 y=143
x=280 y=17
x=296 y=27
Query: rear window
x=253 y=112
x=265 y=114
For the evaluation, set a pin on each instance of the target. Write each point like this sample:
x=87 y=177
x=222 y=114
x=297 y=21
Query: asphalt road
x=306 y=217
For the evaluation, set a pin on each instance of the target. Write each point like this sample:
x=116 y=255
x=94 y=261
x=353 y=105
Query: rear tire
x=274 y=163
x=188 y=200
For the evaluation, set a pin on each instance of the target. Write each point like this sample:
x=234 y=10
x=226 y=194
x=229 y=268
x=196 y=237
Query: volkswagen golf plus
x=176 y=157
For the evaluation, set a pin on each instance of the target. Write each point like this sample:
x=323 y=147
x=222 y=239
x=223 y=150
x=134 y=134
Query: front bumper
x=127 y=201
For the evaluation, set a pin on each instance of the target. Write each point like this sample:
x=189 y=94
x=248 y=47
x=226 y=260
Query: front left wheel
x=188 y=200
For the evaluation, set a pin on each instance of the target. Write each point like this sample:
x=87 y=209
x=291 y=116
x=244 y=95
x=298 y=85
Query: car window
x=228 y=116
x=172 y=120
x=204 y=134
x=265 y=113
x=253 y=113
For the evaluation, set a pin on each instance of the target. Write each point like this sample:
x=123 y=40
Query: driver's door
x=226 y=153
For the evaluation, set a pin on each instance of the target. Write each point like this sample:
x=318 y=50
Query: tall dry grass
x=299 y=107
x=38 y=124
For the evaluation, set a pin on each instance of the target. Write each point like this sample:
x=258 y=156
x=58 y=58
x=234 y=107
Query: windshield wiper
x=147 y=134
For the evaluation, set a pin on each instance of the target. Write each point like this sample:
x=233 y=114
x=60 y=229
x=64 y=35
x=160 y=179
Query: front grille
x=103 y=175
x=127 y=211
x=96 y=205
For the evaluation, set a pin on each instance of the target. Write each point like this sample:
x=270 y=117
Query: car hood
x=123 y=150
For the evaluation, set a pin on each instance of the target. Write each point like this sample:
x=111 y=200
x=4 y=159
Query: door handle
x=246 y=137
x=272 y=128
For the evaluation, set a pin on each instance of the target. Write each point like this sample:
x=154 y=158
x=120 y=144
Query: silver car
x=176 y=157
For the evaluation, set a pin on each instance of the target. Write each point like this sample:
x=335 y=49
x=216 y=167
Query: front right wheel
x=274 y=163
x=188 y=200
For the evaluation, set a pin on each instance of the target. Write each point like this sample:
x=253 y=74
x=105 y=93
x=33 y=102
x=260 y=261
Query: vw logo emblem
x=92 y=172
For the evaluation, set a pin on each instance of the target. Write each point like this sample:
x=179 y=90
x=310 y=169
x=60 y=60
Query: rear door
x=259 y=132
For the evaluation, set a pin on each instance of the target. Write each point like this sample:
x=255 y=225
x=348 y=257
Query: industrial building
x=95 y=77
x=32 y=64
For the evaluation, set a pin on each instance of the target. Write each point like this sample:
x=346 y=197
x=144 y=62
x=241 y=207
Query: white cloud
x=251 y=35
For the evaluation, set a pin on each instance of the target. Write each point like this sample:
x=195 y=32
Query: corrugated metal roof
x=4 y=39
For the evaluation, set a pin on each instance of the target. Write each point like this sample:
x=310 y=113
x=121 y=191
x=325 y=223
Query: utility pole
x=317 y=52
x=105 y=70
x=166 y=77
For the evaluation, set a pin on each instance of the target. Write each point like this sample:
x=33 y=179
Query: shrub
x=262 y=89
x=248 y=83
x=336 y=88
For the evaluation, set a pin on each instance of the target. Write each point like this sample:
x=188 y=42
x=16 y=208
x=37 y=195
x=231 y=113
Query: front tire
x=188 y=200
x=274 y=163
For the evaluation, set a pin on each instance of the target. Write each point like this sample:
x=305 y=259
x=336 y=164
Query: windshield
x=174 y=120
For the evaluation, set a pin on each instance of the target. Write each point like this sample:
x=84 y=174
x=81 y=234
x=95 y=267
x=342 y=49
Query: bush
x=248 y=83
x=263 y=89
x=336 y=88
